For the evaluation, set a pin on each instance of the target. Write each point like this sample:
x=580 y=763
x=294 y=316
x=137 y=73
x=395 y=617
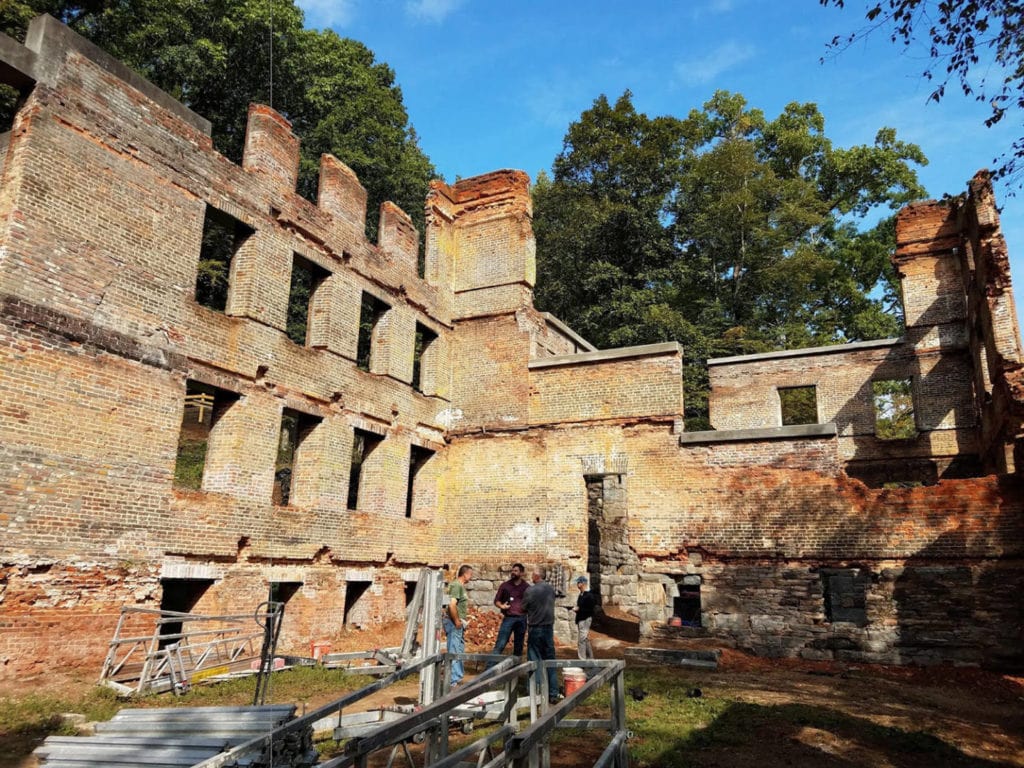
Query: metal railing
x=522 y=745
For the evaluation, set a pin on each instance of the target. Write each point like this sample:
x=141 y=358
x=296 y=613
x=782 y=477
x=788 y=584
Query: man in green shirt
x=456 y=616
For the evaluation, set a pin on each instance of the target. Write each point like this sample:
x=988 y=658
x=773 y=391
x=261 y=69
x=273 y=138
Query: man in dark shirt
x=585 y=605
x=513 y=623
x=539 y=602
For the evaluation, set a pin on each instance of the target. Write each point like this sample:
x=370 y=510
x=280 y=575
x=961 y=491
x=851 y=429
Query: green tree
x=725 y=231
x=217 y=56
x=976 y=44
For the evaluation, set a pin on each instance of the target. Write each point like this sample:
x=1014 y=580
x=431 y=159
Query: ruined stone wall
x=745 y=395
x=103 y=198
x=543 y=449
x=758 y=524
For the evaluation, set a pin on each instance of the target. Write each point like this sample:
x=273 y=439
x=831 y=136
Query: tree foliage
x=726 y=231
x=215 y=57
x=976 y=44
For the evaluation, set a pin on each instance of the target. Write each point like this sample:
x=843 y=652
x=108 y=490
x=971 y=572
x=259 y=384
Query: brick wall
x=534 y=440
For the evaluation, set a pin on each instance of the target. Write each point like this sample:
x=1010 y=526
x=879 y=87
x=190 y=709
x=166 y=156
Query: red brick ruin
x=432 y=416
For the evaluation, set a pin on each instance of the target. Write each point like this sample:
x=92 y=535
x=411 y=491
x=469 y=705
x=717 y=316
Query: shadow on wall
x=952 y=607
x=794 y=734
x=943 y=392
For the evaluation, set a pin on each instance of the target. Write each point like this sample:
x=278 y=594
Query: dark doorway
x=181 y=596
x=355 y=609
x=687 y=605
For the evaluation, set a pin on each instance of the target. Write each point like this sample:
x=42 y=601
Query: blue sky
x=495 y=85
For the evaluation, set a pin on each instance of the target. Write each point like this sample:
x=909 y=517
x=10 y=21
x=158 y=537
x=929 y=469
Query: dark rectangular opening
x=687 y=604
x=363 y=444
x=283 y=591
x=355 y=613
x=223 y=235
x=295 y=428
x=424 y=338
x=418 y=458
x=307 y=278
x=371 y=310
x=204 y=405
x=181 y=596
x=894 y=409
x=410 y=592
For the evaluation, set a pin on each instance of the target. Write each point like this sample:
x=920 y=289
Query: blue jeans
x=514 y=627
x=456 y=644
x=541 y=646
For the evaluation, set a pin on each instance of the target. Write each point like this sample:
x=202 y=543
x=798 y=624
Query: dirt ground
x=803 y=714
x=791 y=713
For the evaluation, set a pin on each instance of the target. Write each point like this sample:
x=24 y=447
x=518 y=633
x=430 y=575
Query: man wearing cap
x=585 y=605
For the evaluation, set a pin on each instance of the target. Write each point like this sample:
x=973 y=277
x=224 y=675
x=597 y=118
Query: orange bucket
x=574 y=679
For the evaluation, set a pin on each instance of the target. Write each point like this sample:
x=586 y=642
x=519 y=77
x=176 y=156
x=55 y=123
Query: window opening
x=295 y=428
x=418 y=458
x=894 y=409
x=363 y=444
x=845 y=594
x=356 y=608
x=180 y=596
x=687 y=604
x=283 y=591
x=424 y=339
x=204 y=404
x=410 y=592
x=371 y=311
x=799 y=405
x=307 y=279
x=223 y=235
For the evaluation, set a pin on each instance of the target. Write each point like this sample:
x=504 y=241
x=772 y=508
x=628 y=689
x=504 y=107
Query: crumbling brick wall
x=521 y=426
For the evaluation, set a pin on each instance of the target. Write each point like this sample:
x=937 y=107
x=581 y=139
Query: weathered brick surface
x=541 y=450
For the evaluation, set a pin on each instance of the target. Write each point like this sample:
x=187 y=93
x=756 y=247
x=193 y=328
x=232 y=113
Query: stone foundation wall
x=915 y=611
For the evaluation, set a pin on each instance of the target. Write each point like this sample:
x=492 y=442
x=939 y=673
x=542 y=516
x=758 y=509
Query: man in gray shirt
x=539 y=604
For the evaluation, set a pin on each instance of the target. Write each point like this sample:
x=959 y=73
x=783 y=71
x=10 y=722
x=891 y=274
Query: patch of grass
x=188 y=468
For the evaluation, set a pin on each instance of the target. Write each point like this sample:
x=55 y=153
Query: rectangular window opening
x=363 y=444
x=307 y=278
x=283 y=591
x=295 y=428
x=845 y=594
x=418 y=458
x=223 y=235
x=204 y=404
x=371 y=311
x=357 y=610
x=686 y=606
x=799 y=405
x=179 y=596
x=410 y=592
x=424 y=339
x=894 y=409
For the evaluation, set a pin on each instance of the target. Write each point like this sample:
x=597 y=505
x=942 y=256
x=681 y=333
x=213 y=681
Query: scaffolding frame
x=525 y=747
x=207 y=648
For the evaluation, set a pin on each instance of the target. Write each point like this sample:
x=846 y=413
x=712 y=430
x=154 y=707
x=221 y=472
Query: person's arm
x=501 y=599
x=453 y=612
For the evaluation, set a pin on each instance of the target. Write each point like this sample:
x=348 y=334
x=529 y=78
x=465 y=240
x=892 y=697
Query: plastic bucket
x=318 y=648
x=574 y=679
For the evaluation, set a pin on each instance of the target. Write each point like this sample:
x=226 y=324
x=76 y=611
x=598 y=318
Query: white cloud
x=432 y=10
x=703 y=69
x=322 y=14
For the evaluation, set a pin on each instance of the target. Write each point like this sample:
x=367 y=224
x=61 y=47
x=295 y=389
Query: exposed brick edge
x=84 y=332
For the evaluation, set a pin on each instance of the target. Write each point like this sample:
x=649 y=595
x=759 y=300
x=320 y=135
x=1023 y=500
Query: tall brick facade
x=441 y=418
